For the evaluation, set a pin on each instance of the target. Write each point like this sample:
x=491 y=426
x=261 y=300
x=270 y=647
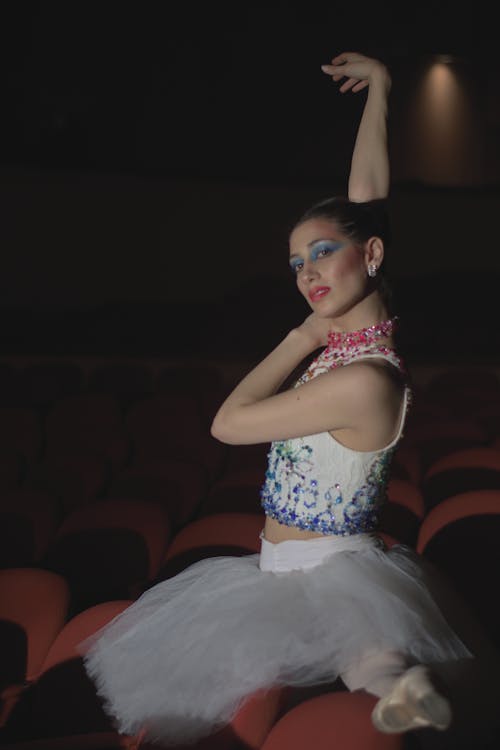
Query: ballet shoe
x=413 y=703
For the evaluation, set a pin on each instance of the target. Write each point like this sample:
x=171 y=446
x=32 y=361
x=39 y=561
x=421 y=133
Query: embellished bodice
x=317 y=484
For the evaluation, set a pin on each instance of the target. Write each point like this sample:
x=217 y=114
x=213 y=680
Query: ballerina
x=325 y=597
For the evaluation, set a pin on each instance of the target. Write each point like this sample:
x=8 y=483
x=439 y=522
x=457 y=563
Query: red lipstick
x=317 y=292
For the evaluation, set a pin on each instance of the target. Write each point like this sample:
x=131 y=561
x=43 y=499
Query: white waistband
x=304 y=554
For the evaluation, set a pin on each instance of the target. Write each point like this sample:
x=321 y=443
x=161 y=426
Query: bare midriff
x=277 y=532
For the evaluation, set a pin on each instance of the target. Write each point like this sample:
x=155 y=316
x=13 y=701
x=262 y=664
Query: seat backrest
x=240 y=529
x=334 y=720
x=37 y=601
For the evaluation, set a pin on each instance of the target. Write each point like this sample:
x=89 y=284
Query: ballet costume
x=180 y=661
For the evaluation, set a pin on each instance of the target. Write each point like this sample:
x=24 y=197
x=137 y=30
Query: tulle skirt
x=182 y=658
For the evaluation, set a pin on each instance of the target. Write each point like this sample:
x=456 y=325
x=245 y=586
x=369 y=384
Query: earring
x=372 y=270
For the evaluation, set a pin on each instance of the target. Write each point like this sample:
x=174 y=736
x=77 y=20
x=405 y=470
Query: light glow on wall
x=444 y=146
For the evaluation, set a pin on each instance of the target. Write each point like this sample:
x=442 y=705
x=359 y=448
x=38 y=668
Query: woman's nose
x=310 y=272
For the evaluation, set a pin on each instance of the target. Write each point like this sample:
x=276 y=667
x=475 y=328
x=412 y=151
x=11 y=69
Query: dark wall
x=103 y=263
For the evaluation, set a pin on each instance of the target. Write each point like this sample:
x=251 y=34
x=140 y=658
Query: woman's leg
x=409 y=696
x=376 y=672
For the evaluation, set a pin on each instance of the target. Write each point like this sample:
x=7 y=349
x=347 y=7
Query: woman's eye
x=324 y=251
x=295 y=268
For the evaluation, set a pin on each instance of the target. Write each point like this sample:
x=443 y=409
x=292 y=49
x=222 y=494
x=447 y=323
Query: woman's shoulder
x=367 y=381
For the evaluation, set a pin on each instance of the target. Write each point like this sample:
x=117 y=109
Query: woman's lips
x=318 y=292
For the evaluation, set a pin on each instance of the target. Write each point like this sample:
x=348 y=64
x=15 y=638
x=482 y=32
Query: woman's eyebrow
x=315 y=242
x=324 y=239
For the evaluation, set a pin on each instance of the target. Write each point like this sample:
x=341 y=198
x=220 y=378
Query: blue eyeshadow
x=329 y=245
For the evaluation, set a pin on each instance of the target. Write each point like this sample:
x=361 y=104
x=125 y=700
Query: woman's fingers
x=335 y=71
x=353 y=83
x=344 y=57
x=349 y=84
x=359 y=86
x=354 y=67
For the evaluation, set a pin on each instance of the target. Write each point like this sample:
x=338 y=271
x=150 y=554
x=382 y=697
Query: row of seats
x=86 y=444
x=103 y=538
x=118 y=548
x=33 y=513
x=46 y=694
x=57 y=706
x=40 y=387
x=88 y=438
x=42 y=384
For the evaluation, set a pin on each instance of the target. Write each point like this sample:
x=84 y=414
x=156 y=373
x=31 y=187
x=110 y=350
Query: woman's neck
x=370 y=311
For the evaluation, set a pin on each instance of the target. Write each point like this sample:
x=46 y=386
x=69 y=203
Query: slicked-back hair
x=358 y=222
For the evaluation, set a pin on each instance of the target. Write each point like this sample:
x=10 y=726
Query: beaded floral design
x=287 y=473
x=306 y=507
x=300 y=487
x=366 y=502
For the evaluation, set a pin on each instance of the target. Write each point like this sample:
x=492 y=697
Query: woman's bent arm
x=369 y=178
x=345 y=397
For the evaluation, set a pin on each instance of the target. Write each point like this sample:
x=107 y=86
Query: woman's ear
x=374 y=252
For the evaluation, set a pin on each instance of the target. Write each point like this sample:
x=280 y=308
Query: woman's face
x=329 y=268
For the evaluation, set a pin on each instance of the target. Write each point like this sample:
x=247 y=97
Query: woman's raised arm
x=369 y=178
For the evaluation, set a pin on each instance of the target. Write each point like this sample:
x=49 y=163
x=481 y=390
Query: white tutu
x=183 y=657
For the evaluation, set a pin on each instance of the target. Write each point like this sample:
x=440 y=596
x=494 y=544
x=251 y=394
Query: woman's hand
x=358 y=69
x=316 y=329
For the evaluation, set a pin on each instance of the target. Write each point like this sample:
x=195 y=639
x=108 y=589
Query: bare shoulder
x=370 y=387
x=370 y=377
x=373 y=398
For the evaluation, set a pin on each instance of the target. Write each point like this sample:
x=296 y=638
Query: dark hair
x=358 y=222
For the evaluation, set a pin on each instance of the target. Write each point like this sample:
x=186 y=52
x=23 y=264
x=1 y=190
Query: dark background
x=153 y=156
x=210 y=89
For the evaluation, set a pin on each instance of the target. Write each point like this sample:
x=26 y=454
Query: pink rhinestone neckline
x=361 y=337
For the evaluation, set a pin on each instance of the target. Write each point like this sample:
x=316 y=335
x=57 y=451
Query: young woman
x=324 y=598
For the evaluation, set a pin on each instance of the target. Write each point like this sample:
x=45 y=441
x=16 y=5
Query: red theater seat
x=178 y=486
x=334 y=720
x=434 y=438
x=406 y=463
x=210 y=536
x=37 y=601
x=109 y=550
x=235 y=492
x=75 y=479
x=468 y=469
x=172 y=427
x=61 y=709
x=88 y=423
x=28 y=522
x=201 y=381
x=401 y=515
x=460 y=537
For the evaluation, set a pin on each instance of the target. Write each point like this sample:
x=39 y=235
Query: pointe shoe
x=413 y=703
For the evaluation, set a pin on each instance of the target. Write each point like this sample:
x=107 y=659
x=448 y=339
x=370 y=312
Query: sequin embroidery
x=317 y=484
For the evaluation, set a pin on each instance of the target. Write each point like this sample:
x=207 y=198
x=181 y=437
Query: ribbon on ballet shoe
x=413 y=703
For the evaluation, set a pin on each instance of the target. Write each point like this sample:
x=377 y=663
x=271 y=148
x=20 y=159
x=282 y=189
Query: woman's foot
x=413 y=703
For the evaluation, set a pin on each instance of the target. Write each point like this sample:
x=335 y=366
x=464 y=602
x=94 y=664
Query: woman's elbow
x=225 y=430
x=219 y=430
x=215 y=430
